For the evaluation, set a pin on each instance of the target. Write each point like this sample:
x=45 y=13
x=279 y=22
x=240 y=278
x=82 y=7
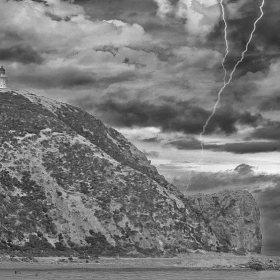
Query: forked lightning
x=226 y=82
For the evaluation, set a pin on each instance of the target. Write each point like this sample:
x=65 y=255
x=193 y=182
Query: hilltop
x=69 y=184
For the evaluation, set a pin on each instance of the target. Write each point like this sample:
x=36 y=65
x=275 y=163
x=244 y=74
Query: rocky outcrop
x=69 y=183
x=232 y=216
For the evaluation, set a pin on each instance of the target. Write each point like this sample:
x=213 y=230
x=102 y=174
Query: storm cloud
x=23 y=54
x=249 y=147
x=270 y=131
x=271 y=103
x=268 y=201
x=182 y=116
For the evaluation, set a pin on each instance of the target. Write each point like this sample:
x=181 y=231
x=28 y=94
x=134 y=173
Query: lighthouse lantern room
x=3 y=78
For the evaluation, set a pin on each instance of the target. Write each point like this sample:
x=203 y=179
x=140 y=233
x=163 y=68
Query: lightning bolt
x=219 y=93
x=226 y=83
x=227 y=47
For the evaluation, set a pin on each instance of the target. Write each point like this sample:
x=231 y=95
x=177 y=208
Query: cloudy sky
x=152 y=69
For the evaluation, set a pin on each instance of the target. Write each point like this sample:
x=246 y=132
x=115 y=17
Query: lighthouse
x=3 y=78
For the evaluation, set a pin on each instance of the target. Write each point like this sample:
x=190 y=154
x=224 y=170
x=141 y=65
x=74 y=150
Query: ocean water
x=136 y=274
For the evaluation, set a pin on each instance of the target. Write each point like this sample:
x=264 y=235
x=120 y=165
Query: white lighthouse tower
x=3 y=78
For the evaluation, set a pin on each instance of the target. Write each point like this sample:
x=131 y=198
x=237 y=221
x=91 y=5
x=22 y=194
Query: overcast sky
x=152 y=69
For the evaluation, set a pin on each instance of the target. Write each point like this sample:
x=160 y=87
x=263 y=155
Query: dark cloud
x=237 y=36
x=268 y=29
x=151 y=140
x=71 y=78
x=271 y=131
x=23 y=54
x=169 y=115
x=248 y=118
x=190 y=144
x=249 y=147
x=239 y=92
x=39 y=1
x=254 y=61
x=268 y=201
x=169 y=31
x=120 y=9
x=271 y=103
x=264 y=45
x=252 y=147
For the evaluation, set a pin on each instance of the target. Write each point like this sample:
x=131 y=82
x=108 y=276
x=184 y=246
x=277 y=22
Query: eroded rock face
x=232 y=216
x=69 y=183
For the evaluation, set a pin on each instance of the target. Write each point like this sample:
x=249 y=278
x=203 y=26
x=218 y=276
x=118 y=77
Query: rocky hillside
x=232 y=216
x=70 y=184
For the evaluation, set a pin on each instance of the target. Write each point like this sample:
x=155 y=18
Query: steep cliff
x=69 y=183
x=232 y=216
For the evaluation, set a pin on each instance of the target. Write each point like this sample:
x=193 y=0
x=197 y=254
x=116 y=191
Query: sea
x=136 y=274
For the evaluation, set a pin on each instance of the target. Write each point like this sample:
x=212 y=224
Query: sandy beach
x=205 y=260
